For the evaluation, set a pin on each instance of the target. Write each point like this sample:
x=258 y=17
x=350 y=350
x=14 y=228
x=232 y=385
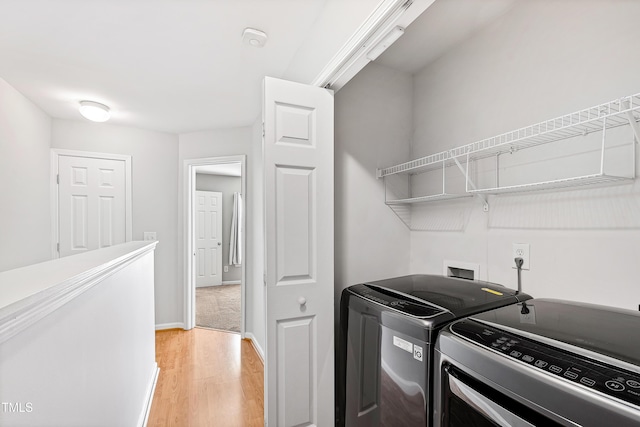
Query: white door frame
x=188 y=189
x=53 y=191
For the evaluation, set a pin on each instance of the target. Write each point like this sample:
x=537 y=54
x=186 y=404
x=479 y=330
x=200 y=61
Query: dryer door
x=467 y=402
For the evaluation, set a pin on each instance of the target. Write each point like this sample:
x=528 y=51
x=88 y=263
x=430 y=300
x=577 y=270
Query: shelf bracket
x=465 y=172
x=634 y=125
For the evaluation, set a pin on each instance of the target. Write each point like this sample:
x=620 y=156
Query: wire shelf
x=424 y=163
x=618 y=112
x=581 y=123
x=411 y=200
x=554 y=184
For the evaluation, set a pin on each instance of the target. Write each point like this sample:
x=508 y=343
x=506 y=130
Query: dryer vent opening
x=461 y=273
x=461 y=270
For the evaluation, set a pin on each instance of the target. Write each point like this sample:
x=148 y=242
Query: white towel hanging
x=235 y=239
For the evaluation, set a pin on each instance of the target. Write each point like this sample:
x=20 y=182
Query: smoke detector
x=253 y=37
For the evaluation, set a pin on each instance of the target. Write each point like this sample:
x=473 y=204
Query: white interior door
x=298 y=167
x=92 y=199
x=208 y=238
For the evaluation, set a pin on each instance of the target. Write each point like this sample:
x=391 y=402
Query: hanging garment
x=235 y=239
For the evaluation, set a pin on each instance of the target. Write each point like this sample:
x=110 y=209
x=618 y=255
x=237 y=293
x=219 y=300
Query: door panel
x=295 y=225
x=208 y=241
x=91 y=203
x=298 y=167
x=296 y=366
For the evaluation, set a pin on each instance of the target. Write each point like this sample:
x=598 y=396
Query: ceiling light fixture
x=387 y=41
x=253 y=37
x=94 y=111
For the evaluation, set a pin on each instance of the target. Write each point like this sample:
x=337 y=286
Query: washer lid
x=603 y=330
x=459 y=296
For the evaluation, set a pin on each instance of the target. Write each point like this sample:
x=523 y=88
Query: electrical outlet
x=150 y=235
x=226 y=268
x=528 y=316
x=521 y=250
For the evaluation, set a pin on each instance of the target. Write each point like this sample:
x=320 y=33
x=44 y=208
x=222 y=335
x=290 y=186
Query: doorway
x=215 y=281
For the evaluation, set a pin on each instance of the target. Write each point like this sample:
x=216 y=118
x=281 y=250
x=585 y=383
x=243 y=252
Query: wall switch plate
x=521 y=250
x=150 y=235
x=226 y=269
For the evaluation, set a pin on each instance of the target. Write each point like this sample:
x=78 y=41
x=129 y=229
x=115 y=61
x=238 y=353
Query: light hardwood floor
x=207 y=378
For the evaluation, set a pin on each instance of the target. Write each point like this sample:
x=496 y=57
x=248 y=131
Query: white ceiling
x=168 y=65
x=443 y=25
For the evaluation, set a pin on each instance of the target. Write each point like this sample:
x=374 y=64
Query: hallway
x=207 y=378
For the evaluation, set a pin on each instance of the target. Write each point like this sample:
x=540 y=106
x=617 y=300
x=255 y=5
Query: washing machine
x=385 y=350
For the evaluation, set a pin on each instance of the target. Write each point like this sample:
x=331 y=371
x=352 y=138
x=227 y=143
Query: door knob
x=302 y=300
x=219 y=243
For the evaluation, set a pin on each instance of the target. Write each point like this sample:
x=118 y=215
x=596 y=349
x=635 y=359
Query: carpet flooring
x=218 y=307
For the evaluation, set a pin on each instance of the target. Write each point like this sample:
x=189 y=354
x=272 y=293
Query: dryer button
x=556 y=369
x=633 y=384
x=587 y=381
x=614 y=385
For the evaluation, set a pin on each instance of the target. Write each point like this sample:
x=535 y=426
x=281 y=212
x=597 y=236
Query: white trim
x=352 y=57
x=174 y=325
x=26 y=311
x=53 y=191
x=249 y=336
x=231 y=282
x=151 y=389
x=188 y=186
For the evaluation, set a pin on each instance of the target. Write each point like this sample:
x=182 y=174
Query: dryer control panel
x=589 y=373
x=397 y=301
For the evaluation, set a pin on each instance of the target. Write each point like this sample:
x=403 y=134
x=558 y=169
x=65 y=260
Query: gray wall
x=373 y=125
x=226 y=185
x=540 y=60
x=25 y=222
x=155 y=195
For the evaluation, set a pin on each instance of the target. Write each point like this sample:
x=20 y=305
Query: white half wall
x=373 y=126
x=25 y=223
x=77 y=343
x=155 y=194
x=540 y=60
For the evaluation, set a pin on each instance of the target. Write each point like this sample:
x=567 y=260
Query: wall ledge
x=30 y=293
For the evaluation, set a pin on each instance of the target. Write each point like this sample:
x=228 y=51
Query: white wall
x=25 y=222
x=540 y=60
x=256 y=304
x=373 y=127
x=155 y=194
x=227 y=185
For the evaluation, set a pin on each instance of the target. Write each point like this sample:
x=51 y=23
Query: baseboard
x=231 y=282
x=249 y=336
x=175 y=325
x=146 y=410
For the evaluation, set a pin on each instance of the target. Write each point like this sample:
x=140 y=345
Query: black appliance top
x=603 y=330
x=430 y=295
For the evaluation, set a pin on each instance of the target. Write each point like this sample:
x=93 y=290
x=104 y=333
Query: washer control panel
x=589 y=373
x=390 y=299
